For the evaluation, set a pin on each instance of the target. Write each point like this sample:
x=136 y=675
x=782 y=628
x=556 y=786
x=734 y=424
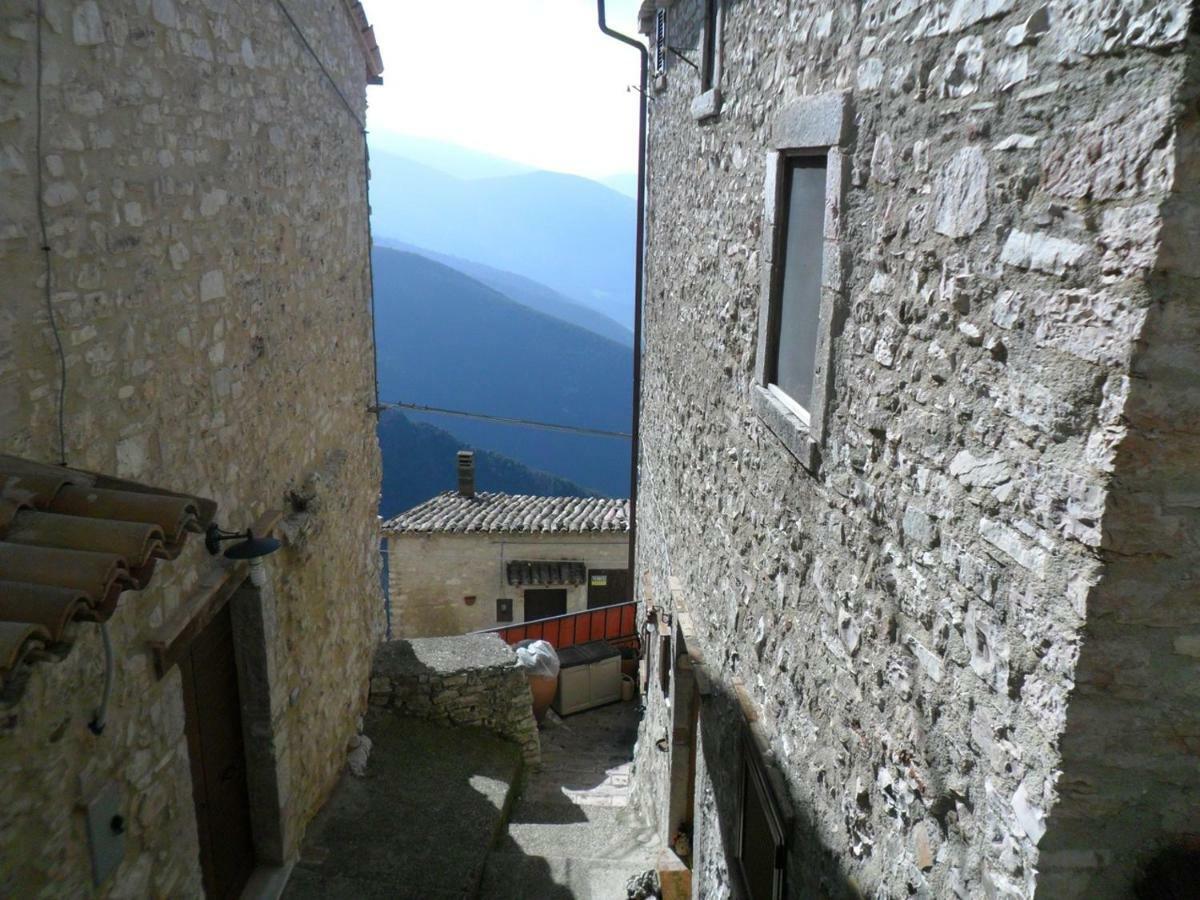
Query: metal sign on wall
x=660 y=42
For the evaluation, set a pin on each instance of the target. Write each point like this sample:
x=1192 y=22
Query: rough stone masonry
x=204 y=193
x=969 y=622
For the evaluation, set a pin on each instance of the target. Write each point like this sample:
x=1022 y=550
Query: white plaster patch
x=984 y=472
x=1041 y=252
x=164 y=13
x=212 y=201
x=1016 y=142
x=1097 y=326
x=212 y=285
x=1012 y=544
x=132 y=454
x=87 y=28
x=960 y=204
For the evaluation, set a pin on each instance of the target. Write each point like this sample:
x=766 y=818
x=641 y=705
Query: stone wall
x=430 y=574
x=469 y=680
x=952 y=623
x=205 y=201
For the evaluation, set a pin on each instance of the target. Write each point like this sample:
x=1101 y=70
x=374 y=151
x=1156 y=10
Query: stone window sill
x=788 y=427
x=707 y=105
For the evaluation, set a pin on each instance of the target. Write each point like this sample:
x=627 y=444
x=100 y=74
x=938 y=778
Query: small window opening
x=708 y=58
x=798 y=291
x=664 y=665
x=760 y=849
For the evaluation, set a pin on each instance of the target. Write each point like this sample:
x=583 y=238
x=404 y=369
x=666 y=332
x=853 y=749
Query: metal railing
x=616 y=624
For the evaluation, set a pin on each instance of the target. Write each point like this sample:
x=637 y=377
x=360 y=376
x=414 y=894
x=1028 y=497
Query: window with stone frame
x=801 y=303
x=760 y=849
x=708 y=103
x=796 y=300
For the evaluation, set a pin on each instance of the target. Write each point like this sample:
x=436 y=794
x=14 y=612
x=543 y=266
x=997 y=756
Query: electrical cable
x=362 y=128
x=100 y=719
x=371 y=267
x=507 y=420
x=45 y=247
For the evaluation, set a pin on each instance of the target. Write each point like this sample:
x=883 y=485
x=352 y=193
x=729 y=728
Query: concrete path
x=419 y=824
x=573 y=834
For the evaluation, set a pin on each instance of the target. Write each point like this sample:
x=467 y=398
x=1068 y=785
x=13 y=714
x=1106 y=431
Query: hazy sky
x=530 y=80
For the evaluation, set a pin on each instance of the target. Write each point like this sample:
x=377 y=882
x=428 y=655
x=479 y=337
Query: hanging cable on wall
x=362 y=128
x=47 y=262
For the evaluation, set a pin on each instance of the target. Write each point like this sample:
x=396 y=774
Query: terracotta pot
x=543 y=688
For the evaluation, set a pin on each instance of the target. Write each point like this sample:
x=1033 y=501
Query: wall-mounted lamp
x=250 y=548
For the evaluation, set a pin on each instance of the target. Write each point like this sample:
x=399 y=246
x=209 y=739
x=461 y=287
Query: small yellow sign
x=599 y=581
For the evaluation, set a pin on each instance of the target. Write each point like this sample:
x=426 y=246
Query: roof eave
x=366 y=41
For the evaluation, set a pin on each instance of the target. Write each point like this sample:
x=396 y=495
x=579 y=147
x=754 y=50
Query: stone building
x=465 y=560
x=184 y=246
x=920 y=292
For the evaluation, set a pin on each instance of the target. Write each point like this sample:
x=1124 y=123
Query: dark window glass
x=664 y=665
x=760 y=834
x=799 y=300
x=709 y=58
x=758 y=844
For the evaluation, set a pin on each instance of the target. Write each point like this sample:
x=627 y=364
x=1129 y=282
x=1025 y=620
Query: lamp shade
x=252 y=548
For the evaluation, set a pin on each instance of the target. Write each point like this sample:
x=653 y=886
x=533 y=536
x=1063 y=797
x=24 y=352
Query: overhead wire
x=362 y=128
x=508 y=420
x=48 y=264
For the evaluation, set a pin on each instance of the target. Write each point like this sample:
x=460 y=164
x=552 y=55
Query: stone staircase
x=419 y=823
x=573 y=833
x=451 y=812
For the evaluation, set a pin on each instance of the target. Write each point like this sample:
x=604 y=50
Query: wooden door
x=607 y=586
x=542 y=604
x=213 y=717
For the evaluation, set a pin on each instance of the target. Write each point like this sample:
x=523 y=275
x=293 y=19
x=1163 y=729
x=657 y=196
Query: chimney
x=466 y=473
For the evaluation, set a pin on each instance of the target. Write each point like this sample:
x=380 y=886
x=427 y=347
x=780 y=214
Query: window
x=801 y=304
x=665 y=661
x=708 y=58
x=708 y=103
x=797 y=303
x=760 y=849
x=660 y=43
x=504 y=609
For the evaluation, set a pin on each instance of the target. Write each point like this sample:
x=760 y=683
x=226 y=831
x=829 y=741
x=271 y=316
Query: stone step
x=578 y=833
x=419 y=824
x=515 y=876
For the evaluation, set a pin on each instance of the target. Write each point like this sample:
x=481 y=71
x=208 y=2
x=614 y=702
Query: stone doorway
x=213 y=724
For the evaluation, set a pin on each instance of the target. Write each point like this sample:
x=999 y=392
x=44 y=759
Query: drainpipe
x=639 y=263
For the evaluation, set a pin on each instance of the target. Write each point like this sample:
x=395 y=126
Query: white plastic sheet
x=537 y=658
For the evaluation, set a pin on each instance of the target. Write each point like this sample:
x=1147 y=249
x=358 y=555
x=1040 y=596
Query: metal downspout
x=639 y=264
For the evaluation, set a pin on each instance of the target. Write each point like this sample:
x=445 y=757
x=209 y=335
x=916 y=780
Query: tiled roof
x=452 y=513
x=366 y=40
x=70 y=543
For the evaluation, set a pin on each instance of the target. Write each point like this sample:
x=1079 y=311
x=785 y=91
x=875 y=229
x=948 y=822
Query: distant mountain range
x=572 y=235
x=419 y=461
x=449 y=159
x=525 y=291
x=446 y=339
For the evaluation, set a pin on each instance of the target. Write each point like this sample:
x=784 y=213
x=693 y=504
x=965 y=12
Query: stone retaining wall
x=467 y=680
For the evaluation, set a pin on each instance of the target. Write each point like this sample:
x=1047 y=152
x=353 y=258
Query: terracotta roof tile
x=366 y=41
x=70 y=543
x=452 y=513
